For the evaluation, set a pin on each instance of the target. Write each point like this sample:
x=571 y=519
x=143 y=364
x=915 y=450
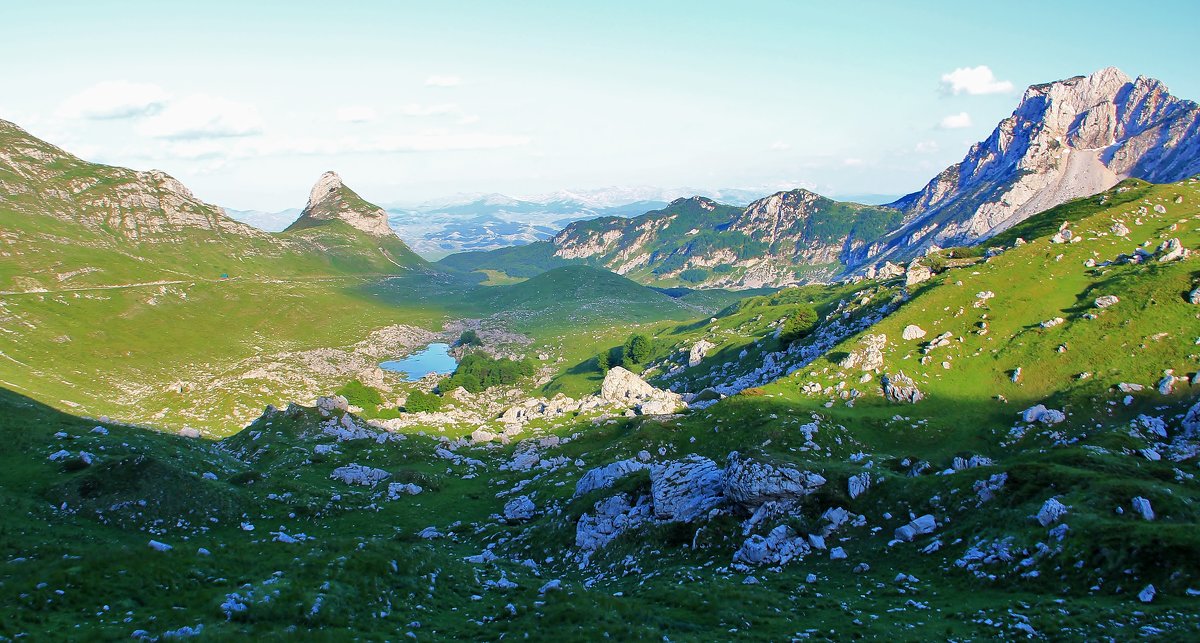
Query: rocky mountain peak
x=325 y=188
x=330 y=200
x=1066 y=139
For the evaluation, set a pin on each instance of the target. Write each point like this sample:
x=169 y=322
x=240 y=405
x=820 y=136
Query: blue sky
x=248 y=103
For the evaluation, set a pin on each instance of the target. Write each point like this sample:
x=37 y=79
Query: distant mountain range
x=1067 y=139
x=479 y=222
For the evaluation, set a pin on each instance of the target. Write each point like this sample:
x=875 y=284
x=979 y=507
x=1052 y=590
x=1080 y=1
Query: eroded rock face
x=1051 y=512
x=698 y=351
x=751 y=484
x=1067 y=139
x=686 y=489
x=869 y=355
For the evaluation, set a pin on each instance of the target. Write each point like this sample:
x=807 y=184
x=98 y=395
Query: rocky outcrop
x=604 y=477
x=686 y=489
x=331 y=200
x=1066 y=139
x=360 y=474
x=751 y=484
x=610 y=518
x=625 y=388
x=901 y=389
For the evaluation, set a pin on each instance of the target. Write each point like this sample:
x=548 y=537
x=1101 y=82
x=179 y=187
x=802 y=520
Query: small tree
x=638 y=349
x=798 y=325
x=604 y=362
x=469 y=338
x=420 y=401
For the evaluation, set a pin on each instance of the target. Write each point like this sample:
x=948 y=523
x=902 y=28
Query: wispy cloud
x=956 y=121
x=974 y=81
x=443 y=81
x=202 y=116
x=927 y=147
x=780 y=146
x=114 y=100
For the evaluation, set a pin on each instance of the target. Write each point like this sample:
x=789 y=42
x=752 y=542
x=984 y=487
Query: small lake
x=434 y=358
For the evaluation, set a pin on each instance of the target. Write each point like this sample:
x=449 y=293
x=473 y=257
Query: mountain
x=1066 y=139
x=786 y=238
x=354 y=233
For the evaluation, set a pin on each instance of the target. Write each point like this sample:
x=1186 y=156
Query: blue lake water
x=434 y=358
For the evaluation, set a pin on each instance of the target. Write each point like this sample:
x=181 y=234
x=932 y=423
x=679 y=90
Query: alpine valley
x=970 y=413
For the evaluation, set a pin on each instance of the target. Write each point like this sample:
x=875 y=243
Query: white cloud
x=853 y=162
x=200 y=116
x=780 y=146
x=974 y=81
x=956 y=121
x=356 y=114
x=927 y=147
x=244 y=148
x=443 y=81
x=413 y=109
x=114 y=100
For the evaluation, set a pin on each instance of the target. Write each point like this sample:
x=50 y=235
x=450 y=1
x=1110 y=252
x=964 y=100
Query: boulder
x=519 y=509
x=779 y=547
x=360 y=474
x=751 y=484
x=1142 y=507
x=398 y=489
x=1147 y=594
x=1039 y=413
x=859 y=484
x=869 y=356
x=1194 y=296
x=913 y=331
x=611 y=517
x=900 y=388
x=328 y=405
x=604 y=477
x=686 y=489
x=1191 y=421
x=917 y=273
x=699 y=350
x=1106 y=301
x=1172 y=250
x=926 y=524
x=1052 y=510
x=627 y=389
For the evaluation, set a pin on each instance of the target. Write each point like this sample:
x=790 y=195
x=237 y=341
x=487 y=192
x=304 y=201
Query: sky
x=248 y=102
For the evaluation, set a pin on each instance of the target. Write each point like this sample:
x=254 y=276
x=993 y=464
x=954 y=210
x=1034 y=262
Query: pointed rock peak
x=326 y=186
x=331 y=200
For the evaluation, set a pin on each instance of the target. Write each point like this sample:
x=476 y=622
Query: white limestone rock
x=699 y=351
x=360 y=474
x=604 y=477
x=751 y=484
x=684 y=490
x=913 y=331
x=1051 y=512
x=611 y=517
x=519 y=509
x=922 y=525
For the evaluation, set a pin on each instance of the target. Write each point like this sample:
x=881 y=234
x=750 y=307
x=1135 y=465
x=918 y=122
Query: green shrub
x=360 y=394
x=694 y=275
x=638 y=349
x=420 y=402
x=798 y=325
x=469 y=338
x=603 y=362
x=477 y=372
